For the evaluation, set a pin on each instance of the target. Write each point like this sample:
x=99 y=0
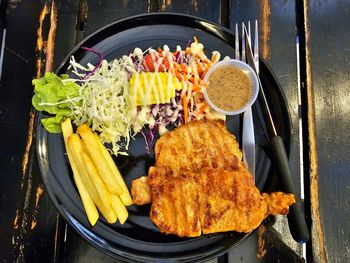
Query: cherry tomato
x=148 y=63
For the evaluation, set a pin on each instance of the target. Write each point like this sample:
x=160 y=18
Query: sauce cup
x=246 y=69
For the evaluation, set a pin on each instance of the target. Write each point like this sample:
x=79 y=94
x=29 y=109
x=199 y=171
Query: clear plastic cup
x=247 y=70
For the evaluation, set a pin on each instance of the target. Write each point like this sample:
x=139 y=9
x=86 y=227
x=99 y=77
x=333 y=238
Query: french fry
x=89 y=206
x=76 y=148
x=101 y=163
x=101 y=188
x=119 y=209
x=107 y=212
x=125 y=196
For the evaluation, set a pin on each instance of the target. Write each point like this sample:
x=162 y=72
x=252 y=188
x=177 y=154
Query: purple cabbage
x=90 y=73
x=137 y=63
x=165 y=114
x=150 y=139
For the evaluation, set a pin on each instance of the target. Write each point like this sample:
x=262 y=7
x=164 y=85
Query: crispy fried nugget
x=141 y=191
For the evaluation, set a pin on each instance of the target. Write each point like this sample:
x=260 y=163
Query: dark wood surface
x=329 y=64
x=32 y=231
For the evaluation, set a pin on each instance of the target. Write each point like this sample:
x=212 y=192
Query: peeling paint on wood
x=33 y=224
x=21 y=232
x=57 y=236
x=153 y=6
x=51 y=37
x=81 y=20
x=165 y=4
x=40 y=41
x=319 y=251
x=15 y=221
x=265 y=28
x=38 y=66
x=25 y=220
x=39 y=192
x=28 y=146
x=261 y=242
x=195 y=4
x=41 y=46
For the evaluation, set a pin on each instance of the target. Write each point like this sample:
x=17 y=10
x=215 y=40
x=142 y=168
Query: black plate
x=138 y=239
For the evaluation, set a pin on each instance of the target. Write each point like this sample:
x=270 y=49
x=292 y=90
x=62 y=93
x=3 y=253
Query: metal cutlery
x=296 y=218
x=248 y=136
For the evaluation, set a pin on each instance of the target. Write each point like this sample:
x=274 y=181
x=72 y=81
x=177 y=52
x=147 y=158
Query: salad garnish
x=146 y=91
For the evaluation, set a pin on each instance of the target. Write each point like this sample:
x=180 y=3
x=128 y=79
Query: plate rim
x=64 y=213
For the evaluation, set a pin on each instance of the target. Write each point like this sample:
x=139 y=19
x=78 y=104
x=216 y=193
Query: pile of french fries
x=99 y=182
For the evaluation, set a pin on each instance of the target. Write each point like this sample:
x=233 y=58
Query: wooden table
x=307 y=46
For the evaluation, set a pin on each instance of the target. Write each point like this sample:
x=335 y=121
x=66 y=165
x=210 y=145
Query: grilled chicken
x=175 y=206
x=141 y=191
x=198 y=144
x=200 y=185
x=211 y=201
x=279 y=202
x=191 y=147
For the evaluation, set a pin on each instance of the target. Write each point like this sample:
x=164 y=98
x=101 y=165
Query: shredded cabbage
x=105 y=104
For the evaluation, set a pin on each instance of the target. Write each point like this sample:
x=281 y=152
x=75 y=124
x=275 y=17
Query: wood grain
x=206 y=9
x=28 y=218
x=101 y=13
x=265 y=28
x=319 y=252
x=31 y=227
x=329 y=64
x=277 y=31
x=50 y=44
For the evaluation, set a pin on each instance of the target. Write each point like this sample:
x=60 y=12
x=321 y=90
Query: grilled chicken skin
x=199 y=184
x=210 y=201
x=191 y=147
x=198 y=144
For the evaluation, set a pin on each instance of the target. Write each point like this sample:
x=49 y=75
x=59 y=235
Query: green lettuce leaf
x=51 y=125
x=50 y=96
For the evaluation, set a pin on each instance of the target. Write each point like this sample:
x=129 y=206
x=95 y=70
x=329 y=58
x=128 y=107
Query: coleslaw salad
x=144 y=92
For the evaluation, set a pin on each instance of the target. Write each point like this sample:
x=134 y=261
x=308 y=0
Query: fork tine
x=237 y=43
x=249 y=34
x=243 y=43
x=256 y=46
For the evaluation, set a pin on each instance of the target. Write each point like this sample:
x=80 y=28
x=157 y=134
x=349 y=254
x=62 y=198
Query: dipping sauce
x=229 y=88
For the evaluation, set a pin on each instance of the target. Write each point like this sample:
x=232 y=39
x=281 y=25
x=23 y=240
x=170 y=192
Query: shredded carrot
x=199 y=67
x=192 y=73
x=204 y=72
x=183 y=68
x=196 y=88
x=179 y=75
x=203 y=108
x=185 y=107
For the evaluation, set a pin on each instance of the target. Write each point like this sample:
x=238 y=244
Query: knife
x=248 y=136
x=296 y=218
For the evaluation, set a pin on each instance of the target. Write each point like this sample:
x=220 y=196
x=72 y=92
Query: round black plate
x=138 y=239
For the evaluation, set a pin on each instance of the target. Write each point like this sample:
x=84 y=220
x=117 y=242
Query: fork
x=296 y=218
x=248 y=137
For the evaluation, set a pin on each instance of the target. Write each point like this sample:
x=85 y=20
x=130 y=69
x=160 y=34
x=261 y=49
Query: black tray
x=138 y=239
